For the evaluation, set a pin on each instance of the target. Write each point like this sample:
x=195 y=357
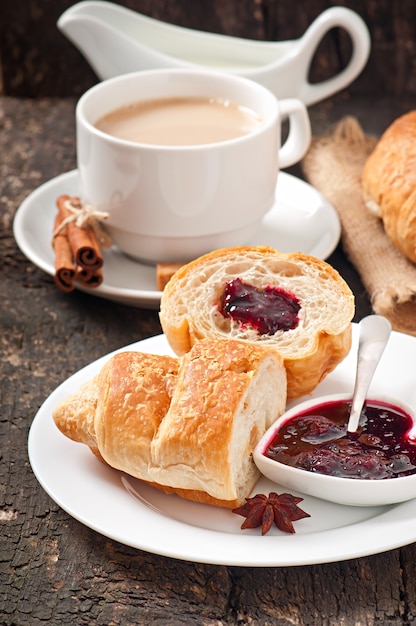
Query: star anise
x=262 y=510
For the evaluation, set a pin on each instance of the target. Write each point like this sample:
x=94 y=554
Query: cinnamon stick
x=89 y=278
x=83 y=242
x=64 y=267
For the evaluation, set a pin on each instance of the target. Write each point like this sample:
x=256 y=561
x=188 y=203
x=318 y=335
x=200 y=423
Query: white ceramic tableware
x=350 y=491
x=301 y=219
x=174 y=527
x=176 y=202
x=116 y=40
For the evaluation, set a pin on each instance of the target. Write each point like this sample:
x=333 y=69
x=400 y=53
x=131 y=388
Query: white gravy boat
x=116 y=40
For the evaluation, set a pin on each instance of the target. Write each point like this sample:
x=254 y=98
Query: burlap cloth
x=334 y=165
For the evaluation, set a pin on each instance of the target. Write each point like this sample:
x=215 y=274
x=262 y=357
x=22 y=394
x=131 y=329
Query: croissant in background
x=389 y=183
x=187 y=426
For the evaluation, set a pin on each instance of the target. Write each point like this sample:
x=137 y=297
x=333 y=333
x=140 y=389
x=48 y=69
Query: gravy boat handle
x=353 y=24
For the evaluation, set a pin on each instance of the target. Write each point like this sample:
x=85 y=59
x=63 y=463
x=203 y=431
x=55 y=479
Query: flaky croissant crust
x=389 y=183
x=187 y=426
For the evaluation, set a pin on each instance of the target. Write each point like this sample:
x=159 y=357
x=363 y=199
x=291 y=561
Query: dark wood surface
x=53 y=569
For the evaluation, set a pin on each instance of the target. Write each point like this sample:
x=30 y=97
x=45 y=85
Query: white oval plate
x=300 y=221
x=140 y=516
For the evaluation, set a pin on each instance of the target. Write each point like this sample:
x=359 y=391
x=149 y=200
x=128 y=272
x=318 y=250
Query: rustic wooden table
x=57 y=571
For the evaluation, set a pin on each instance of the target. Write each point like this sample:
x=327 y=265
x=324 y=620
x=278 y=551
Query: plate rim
x=344 y=538
x=144 y=297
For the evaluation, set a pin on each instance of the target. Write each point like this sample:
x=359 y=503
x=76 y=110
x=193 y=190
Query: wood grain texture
x=29 y=39
x=53 y=569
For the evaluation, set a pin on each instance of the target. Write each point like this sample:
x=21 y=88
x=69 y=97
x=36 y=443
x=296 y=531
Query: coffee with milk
x=180 y=121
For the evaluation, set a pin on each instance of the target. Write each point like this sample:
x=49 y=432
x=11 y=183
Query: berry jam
x=317 y=440
x=266 y=310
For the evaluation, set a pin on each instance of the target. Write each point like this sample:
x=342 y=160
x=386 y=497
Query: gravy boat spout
x=116 y=40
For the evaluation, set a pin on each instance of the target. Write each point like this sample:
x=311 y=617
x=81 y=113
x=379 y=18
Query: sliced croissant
x=188 y=426
x=190 y=309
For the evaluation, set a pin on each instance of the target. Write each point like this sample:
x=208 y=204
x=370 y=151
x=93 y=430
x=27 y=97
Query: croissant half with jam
x=187 y=426
x=293 y=303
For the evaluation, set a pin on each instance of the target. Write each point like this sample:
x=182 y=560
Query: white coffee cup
x=174 y=203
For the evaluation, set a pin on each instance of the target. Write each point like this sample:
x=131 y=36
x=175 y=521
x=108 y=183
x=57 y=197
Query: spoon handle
x=374 y=333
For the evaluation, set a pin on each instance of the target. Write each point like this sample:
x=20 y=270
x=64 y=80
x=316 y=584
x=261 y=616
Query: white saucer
x=301 y=220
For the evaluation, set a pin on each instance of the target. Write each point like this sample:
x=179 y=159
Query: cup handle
x=299 y=137
x=355 y=26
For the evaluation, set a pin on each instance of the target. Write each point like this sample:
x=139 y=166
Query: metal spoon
x=374 y=334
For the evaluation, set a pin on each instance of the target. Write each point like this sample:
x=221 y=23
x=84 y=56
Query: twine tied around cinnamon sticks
x=85 y=216
x=78 y=238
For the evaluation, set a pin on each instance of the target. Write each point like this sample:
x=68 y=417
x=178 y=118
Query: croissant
x=389 y=183
x=312 y=343
x=187 y=426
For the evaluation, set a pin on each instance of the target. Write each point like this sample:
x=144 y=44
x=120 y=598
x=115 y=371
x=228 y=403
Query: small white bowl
x=350 y=491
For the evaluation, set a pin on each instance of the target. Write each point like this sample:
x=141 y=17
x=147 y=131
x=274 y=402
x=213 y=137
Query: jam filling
x=318 y=441
x=266 y=310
